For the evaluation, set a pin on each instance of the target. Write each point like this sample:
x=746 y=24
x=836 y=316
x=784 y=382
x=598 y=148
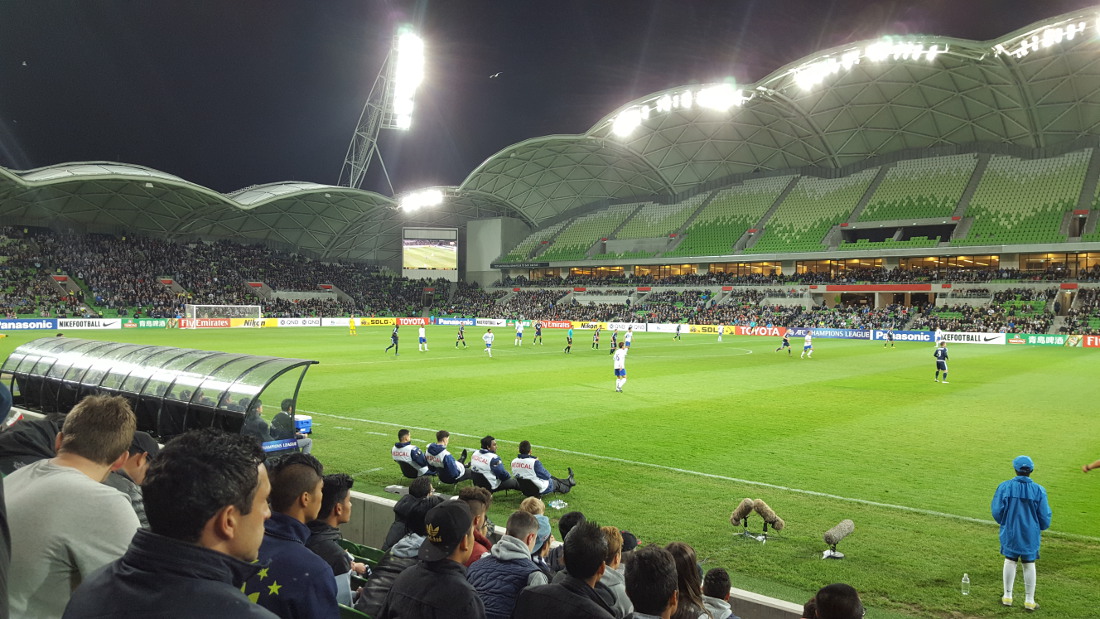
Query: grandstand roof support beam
x=1029 y=105
x=786 y=101
x=626 y=150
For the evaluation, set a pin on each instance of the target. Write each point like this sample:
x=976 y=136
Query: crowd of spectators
x=1005 y=314
x=470 y=301
x=1084 y=317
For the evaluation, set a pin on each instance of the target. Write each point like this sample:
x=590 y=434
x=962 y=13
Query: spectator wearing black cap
x=437 y=585
x=128 y=478
x=576 y=596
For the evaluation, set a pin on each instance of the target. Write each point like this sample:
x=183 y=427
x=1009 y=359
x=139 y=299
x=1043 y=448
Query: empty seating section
x=523 y=251
x=581 y=233
x=728 y=216
x=626 y=255
x=656 y=220
x=1095 y=234
x=812 y=207
x=1023 y=201
x=919 y=188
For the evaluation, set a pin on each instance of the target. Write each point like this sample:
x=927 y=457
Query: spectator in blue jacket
x=1020 y=507
x=450 y=470
x=295 y=583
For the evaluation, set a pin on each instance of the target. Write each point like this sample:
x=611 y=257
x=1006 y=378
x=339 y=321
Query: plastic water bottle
x=966 y=584
x=558 y=504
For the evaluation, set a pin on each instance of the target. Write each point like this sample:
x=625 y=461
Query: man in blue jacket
x=206 y=500
x=450 y=471
x=1020 y=507
x=488 y=463
x=527 y=466
x=295 y=583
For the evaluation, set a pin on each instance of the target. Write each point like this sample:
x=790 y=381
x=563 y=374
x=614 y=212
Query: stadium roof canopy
x=1038 y=87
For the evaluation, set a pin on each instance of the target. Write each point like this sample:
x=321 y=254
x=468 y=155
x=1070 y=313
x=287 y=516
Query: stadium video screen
x=430 y=249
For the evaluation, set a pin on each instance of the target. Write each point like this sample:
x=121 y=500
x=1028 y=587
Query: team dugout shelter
x=171 y=390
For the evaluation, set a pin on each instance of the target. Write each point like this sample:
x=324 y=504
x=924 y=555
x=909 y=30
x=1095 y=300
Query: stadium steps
x=611 y=235
x=748 y=240
x=961 y=230
x=866 y=199
x=679 y=232
x=971 y=187
x=1090 y=222
x=1057 y=324
x=1088 y=188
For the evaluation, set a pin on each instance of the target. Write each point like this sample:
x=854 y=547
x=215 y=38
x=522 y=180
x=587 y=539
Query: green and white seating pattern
x=732 y=211
x=921 y=188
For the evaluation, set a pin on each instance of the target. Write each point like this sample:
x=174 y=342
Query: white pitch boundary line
x=746 y=351
x=825 y=495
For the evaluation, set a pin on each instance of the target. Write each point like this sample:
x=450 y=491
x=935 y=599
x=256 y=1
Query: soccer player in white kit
x=938 y=338
x=519 y=333
x=721 y=330
x=808 y=347
x=620 y=366
x=422 y=334
x=488 y=339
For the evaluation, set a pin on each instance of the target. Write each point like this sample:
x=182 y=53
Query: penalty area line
x=750 y=482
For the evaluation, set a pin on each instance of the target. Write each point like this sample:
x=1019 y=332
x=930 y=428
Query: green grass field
x=858 y=432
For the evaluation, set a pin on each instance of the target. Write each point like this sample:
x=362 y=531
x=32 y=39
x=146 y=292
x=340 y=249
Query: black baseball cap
x=446 y=525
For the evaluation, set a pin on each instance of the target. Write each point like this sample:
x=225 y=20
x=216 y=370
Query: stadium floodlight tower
x=389 y=106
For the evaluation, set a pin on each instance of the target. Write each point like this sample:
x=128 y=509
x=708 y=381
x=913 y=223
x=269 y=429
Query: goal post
x=195 y=315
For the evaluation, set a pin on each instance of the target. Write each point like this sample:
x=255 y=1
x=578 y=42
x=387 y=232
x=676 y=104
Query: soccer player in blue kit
x=941 y=361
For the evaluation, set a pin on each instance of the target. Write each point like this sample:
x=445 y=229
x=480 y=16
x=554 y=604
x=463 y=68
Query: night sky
x=232 y=93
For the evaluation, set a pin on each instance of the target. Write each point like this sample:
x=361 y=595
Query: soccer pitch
x=431 y=257
x=859 y=431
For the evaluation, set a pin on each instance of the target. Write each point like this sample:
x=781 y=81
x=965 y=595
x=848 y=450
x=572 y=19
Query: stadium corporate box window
x=664 y=270
x=837 y=267
x=747 y=268
x=942 y=263
x=1067 y=264
x=616 y=272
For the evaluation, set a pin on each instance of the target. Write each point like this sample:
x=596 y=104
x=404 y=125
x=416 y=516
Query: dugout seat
x=408 y=470
x=480 y=481
x=529 y=488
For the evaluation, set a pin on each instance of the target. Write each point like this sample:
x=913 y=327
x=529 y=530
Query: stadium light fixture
x=421 y=199
x=719 y=97
x=408 y=74
x=1045 y=38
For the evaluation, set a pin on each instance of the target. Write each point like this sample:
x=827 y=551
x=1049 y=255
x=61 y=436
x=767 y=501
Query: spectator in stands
x=689 y=579
x=565 y=525
x=809 y=609
x=404 y=451
x=651 y=583
x=206 y=498
x=29 y=440
x=479 y=500
x=282 y=427
x=838 y=601
x=324 y=538
x=450 y=470
x=419 y=488
x=543 y=544
x=254 y=424
x=486 y=462
x=527 y=466
x=402 y=556
x=576 y=595
x=508 y=569
x=131 y=475
x=716 y=594
x=437 y=585
x=533 y=505
x=613 y=577
x=66 y=522
x=5 y=401
x=1020 y=507
x=296 y=583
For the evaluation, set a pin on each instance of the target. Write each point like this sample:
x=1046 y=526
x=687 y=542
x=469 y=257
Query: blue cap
x=1023 y=464
x=544 y=531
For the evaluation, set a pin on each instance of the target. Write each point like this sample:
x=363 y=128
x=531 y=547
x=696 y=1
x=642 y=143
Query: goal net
x=201 y=316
